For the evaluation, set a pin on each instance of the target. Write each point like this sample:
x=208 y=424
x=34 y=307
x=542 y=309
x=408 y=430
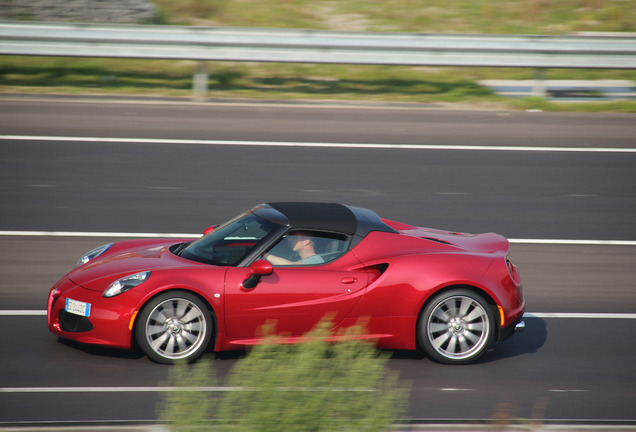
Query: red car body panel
x=384 y=282
x=296 y=297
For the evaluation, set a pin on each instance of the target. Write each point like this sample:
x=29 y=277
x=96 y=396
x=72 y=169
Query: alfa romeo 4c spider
x=291 y=264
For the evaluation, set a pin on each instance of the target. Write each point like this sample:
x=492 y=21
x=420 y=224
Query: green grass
x=438 y=16
x=313 y=386
x=340 y=82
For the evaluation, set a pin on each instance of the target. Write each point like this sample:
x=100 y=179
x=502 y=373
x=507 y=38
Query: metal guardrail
x=313 y=46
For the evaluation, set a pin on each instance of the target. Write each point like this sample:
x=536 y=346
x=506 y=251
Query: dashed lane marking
x=319 y=144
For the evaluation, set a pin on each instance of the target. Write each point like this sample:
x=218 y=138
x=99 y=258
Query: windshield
x=229 y=243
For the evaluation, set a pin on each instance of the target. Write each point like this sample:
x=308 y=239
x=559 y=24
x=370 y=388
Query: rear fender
x=415 y=278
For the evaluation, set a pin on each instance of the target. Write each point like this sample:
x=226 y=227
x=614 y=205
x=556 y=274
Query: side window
x=300 y=248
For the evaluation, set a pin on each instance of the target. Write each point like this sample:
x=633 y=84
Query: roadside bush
x=190 y=407
x=315 y=385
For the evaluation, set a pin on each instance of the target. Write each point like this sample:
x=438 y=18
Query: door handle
x=349 y=280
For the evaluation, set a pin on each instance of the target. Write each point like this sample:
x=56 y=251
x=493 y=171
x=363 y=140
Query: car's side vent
x=376 y=271
x=438 y=241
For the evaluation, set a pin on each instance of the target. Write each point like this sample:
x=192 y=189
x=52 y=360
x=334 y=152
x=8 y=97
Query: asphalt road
x=576 y=369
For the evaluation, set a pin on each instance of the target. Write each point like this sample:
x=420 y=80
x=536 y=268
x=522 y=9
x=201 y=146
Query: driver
x=303 y=245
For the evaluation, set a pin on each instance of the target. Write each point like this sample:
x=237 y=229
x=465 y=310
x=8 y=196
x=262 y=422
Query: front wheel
x=456 y=327
x=174 y=326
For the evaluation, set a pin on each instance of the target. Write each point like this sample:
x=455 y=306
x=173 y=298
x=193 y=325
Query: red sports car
x=293 y=264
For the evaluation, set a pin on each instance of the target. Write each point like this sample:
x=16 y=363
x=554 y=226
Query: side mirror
x=208 y=230
x=259 y=268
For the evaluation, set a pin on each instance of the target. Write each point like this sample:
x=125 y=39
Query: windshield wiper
x=177 y=251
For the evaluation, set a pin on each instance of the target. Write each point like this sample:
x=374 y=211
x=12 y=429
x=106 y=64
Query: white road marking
x=580 y=315
x=575 y=242
x=165 y=389
x=318 y=144
x=22 y=312
x=112 y=389
x=95 y=234
x=451 y=193
x=558 y=315
x=590 y=242
x=567 y=391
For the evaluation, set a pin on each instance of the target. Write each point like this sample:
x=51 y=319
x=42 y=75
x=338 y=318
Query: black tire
x=456 y=327
x=174 y=326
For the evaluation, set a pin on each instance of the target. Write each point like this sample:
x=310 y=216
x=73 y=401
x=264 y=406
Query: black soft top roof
x=330 y=217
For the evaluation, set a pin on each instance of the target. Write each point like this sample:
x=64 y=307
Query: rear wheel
x=456 y=327
x=174 y=326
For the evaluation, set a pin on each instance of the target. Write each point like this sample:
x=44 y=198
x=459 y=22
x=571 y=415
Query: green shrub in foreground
x=315 y=385
x=190 y=409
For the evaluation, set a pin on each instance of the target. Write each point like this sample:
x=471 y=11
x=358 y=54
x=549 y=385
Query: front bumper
x=109 y=322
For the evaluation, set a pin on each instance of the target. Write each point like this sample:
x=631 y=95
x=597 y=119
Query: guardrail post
x=538 y=89
x=200 y=80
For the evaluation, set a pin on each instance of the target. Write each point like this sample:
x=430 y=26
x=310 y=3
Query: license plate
x=78 y=307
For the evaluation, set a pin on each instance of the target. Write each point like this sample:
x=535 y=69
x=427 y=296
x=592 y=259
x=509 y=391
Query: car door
x=294 y=299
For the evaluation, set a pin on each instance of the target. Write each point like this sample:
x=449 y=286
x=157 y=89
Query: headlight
x=93 y=254
x=124 y=284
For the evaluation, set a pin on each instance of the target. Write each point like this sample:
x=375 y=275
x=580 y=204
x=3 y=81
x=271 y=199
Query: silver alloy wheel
x=458 y=327
x=176 y=328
